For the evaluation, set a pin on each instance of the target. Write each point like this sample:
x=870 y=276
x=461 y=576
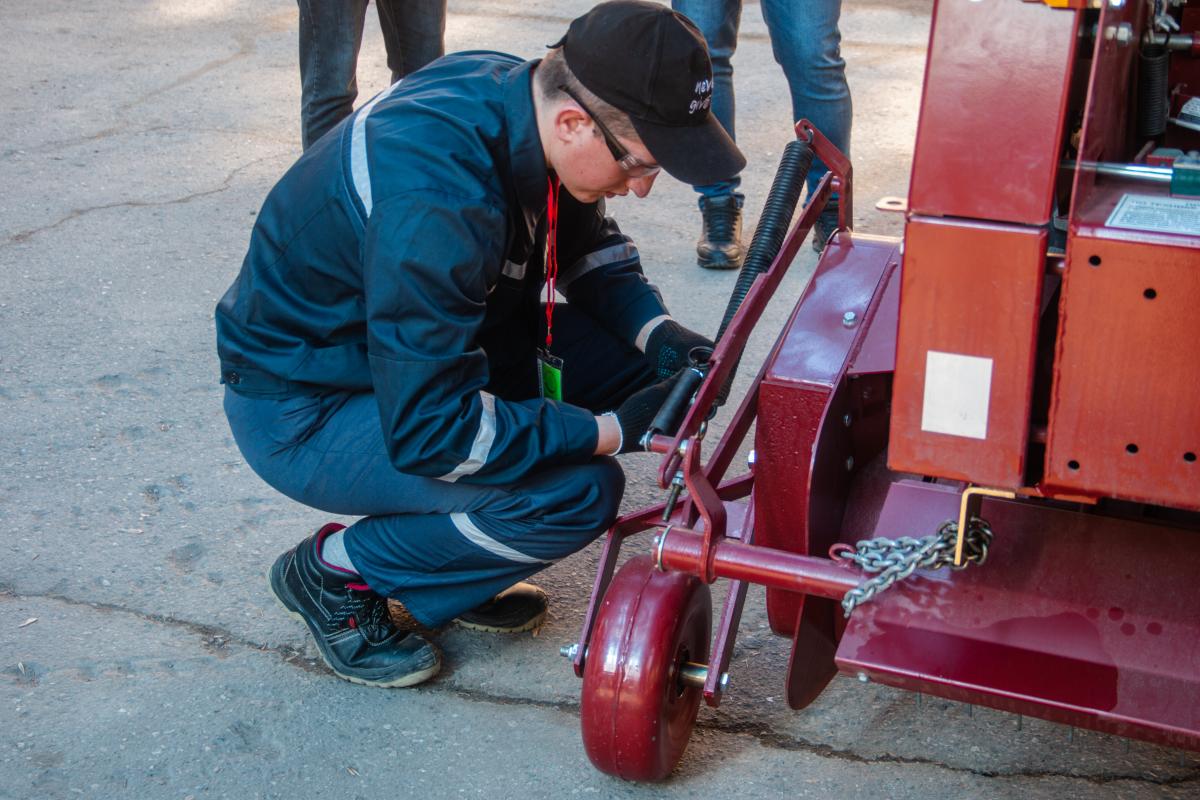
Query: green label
x=551 y=380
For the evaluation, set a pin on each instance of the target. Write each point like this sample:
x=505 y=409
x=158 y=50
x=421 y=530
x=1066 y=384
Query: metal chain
x=896 y=559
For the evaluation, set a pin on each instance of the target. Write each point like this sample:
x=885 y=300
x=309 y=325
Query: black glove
x=637 y=412
x=668 y=346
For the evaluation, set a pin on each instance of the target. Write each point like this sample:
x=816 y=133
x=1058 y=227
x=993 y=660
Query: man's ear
x=570 y=123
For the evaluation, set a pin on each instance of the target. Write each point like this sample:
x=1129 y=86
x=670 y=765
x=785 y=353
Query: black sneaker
x=720 y=244
x=826 y=226
x=521 y=607
x=349 y=621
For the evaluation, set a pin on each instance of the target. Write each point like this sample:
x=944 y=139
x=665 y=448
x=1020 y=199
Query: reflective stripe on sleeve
x=625 y=251
x=477 y=537
x=360 y=172
x=484 y=437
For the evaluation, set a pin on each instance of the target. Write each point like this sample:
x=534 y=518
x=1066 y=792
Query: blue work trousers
x=330 y=36
x=442 y=548
x=807 y=44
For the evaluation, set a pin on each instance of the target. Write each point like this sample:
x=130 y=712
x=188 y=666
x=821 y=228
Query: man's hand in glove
x=668 y=346
x=632 y=418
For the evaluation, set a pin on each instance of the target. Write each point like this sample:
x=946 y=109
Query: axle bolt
x=849 y=319
x=569 y=650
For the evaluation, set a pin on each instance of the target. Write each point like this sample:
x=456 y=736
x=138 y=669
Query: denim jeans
x=330 y=36
x=442 y=548
x=807 y=44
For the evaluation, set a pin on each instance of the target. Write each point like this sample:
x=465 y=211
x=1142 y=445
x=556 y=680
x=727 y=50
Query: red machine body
x=1035 y=336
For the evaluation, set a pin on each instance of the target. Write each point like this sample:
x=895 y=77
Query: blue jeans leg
x=807 y=43
x=330 y=37
x=718 y=20
x=413 y=33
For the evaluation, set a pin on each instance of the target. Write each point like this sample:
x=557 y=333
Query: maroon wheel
x=636 y=712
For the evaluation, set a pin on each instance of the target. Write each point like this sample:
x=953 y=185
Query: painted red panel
x=1125 y=411
x=800 y=475
x=991 y=124
x=968 y=290
x=1072 y=619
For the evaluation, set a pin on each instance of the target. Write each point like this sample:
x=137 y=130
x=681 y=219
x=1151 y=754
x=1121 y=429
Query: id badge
x=550 y=372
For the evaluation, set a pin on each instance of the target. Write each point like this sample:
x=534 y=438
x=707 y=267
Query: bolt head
x=849 y=319
x=863 y=678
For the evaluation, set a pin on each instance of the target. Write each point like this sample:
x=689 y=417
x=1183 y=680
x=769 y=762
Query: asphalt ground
x=141 y=654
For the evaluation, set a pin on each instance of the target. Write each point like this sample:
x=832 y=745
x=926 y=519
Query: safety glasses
x=633 y=166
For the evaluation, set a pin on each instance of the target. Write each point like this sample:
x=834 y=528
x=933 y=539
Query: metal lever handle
x=671 y=412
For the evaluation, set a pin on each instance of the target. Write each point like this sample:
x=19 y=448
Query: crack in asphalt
x=215 y=639
x=23 y=236
x=247 y=45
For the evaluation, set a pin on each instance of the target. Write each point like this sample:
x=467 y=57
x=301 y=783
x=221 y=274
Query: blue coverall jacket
x=388 y=251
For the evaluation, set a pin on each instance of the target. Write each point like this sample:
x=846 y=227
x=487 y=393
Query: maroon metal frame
x=1084 y=614
x=682 y=452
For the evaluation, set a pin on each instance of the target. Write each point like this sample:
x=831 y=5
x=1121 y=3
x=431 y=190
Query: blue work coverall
x=378 y=346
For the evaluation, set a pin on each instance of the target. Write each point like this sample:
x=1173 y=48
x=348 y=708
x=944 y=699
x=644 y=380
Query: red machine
x=1017 y=381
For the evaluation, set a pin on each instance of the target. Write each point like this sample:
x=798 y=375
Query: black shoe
x=720 y=244
x=826 y=226
x=349 y=621
x=521 y=607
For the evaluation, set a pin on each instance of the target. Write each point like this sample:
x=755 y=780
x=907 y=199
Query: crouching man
x=387 y=352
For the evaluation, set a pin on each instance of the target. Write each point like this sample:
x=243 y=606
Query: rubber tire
x=635 y=715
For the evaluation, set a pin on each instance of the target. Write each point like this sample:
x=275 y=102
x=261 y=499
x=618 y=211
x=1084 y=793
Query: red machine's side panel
x=989 y=137
x=1125 y=415
x=965 y=351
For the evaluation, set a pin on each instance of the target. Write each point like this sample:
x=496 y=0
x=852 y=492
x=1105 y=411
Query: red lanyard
x=551 y=252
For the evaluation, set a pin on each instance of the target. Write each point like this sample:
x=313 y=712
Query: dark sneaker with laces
x=720 y=244
x=520 y=607
x=826 y=226
x=349 y=622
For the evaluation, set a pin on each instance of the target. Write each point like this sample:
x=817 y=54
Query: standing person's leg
x=330 y=36
x=414 y=33
x=807 y=44
x=719 y=246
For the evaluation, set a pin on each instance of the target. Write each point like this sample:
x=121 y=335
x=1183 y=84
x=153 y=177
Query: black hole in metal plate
x=1094 y=260
x=1131 y=448
x=1072 y=464
x=1189 y=457
x=1149 y=294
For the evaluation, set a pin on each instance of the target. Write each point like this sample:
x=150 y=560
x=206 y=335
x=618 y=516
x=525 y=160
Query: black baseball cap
x=651 y=63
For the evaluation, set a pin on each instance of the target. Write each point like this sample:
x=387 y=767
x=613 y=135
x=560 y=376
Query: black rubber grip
x=670 y=414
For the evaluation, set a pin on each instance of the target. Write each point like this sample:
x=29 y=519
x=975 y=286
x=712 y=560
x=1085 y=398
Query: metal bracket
x=972 y=497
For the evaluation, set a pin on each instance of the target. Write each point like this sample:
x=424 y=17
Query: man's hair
x=553 y=72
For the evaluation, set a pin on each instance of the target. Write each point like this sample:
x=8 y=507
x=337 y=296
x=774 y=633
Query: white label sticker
x=957 y=389
x=1147 y=213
